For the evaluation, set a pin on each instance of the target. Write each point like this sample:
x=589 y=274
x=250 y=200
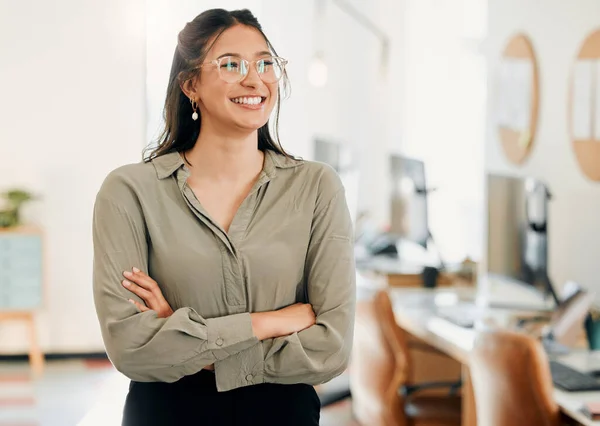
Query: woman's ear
x=189 y=88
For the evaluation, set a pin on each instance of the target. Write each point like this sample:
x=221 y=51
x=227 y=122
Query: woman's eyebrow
x=229 y=54
x=237 y=55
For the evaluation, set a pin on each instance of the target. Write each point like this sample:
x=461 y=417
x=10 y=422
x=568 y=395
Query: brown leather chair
x=380 y=374
x=511 y=381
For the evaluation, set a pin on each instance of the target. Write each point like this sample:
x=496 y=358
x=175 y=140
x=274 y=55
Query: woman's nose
x=252 y=79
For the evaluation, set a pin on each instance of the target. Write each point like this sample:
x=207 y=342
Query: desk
x=400 y=274
x=415 y=312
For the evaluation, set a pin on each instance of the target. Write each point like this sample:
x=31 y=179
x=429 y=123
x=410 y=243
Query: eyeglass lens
x=234 y=69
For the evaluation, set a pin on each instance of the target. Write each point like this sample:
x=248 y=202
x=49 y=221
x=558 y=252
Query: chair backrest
x=511 y=381
x=379 y=364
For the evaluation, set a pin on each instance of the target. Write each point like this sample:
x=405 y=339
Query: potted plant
x=10 y=205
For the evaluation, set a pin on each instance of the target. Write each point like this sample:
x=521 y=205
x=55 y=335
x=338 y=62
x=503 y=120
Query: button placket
x=199 y=212
x=241 y=220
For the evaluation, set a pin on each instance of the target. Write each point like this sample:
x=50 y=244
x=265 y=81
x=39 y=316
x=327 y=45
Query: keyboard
x=462 y=315
x=571 y=380
x=461 y=320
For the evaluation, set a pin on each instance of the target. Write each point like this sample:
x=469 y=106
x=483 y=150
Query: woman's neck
x=225 y=157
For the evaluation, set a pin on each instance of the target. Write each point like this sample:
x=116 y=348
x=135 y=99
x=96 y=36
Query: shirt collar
x=167 y=164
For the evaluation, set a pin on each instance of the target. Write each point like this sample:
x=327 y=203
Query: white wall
x=444 y=120
x=557 y=29
x=352 y=107
x=72 y=108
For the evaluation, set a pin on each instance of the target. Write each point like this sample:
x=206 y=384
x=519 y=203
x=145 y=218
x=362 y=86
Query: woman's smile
x=252 y=102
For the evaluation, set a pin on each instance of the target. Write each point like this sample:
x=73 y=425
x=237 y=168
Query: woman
x=223 y=267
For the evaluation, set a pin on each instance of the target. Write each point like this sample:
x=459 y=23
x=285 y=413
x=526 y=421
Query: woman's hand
x=148 y=290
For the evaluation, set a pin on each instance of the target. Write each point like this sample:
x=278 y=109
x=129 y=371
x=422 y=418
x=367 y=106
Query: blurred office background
x=82 y=87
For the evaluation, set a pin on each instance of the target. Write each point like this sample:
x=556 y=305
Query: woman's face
x=234 y=104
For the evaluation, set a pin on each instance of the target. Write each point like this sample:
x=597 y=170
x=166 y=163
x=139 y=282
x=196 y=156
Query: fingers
x=137 y=290
x=141 y=307
x=141 y=279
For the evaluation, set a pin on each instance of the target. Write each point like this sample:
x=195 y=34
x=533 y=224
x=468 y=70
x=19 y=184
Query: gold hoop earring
x=195 y=109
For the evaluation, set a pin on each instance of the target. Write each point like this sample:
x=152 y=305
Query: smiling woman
x=224 y=274
x=199 y=49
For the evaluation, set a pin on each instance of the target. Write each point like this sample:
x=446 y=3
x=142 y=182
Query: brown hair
x=180 y=130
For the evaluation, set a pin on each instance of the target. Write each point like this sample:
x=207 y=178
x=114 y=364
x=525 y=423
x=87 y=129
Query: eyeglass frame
x=217 y=63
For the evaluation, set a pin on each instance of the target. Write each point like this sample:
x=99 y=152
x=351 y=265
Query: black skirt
x=194 y=400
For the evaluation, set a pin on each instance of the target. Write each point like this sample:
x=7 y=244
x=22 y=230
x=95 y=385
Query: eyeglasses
x=233 y=69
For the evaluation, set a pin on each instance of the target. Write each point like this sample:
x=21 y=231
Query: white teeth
x=248 y=101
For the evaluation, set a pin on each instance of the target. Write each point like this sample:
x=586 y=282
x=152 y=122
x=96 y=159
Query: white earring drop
x=194 y=107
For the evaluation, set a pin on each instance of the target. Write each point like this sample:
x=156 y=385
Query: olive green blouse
x=290 y=241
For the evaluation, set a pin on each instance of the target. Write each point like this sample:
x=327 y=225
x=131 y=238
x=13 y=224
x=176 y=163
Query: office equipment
x=406 y=251
x=21 y=282
x=584 y=110
x=517 y=232
x=415 y=312
x=463 y=314
x=517 y=98
x=568 y=318
x=571 y=380
x=408 y=200
x=563 y=325
x=340 y=157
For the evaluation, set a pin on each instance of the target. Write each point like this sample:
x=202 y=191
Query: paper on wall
x=502 y=106
x=514 y=89
x=581 y=113
x=511 y=94
x=523 y=71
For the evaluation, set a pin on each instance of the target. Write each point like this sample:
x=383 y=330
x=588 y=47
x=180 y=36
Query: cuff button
x=219 y=341
x=249 y=377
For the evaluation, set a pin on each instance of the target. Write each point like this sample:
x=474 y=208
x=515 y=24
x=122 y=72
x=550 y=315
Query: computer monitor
x=517 y=231
x=328 y=152
x=408 y=215
x=341 y=158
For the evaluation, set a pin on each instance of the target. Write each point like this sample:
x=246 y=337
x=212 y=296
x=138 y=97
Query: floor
x=84 y=393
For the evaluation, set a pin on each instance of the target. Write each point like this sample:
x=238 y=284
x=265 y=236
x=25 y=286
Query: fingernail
x=127 y=273
x=126 y=283
x=131 y=301
x=136 y=270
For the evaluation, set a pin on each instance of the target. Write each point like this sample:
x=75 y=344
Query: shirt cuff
x=226 y=334
x=242 y=369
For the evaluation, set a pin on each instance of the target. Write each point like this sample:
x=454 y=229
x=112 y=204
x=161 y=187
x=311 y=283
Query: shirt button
x=249 y=377
x=219 y=341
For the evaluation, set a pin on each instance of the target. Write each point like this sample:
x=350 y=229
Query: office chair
x=511 y=381
x=383 y=393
